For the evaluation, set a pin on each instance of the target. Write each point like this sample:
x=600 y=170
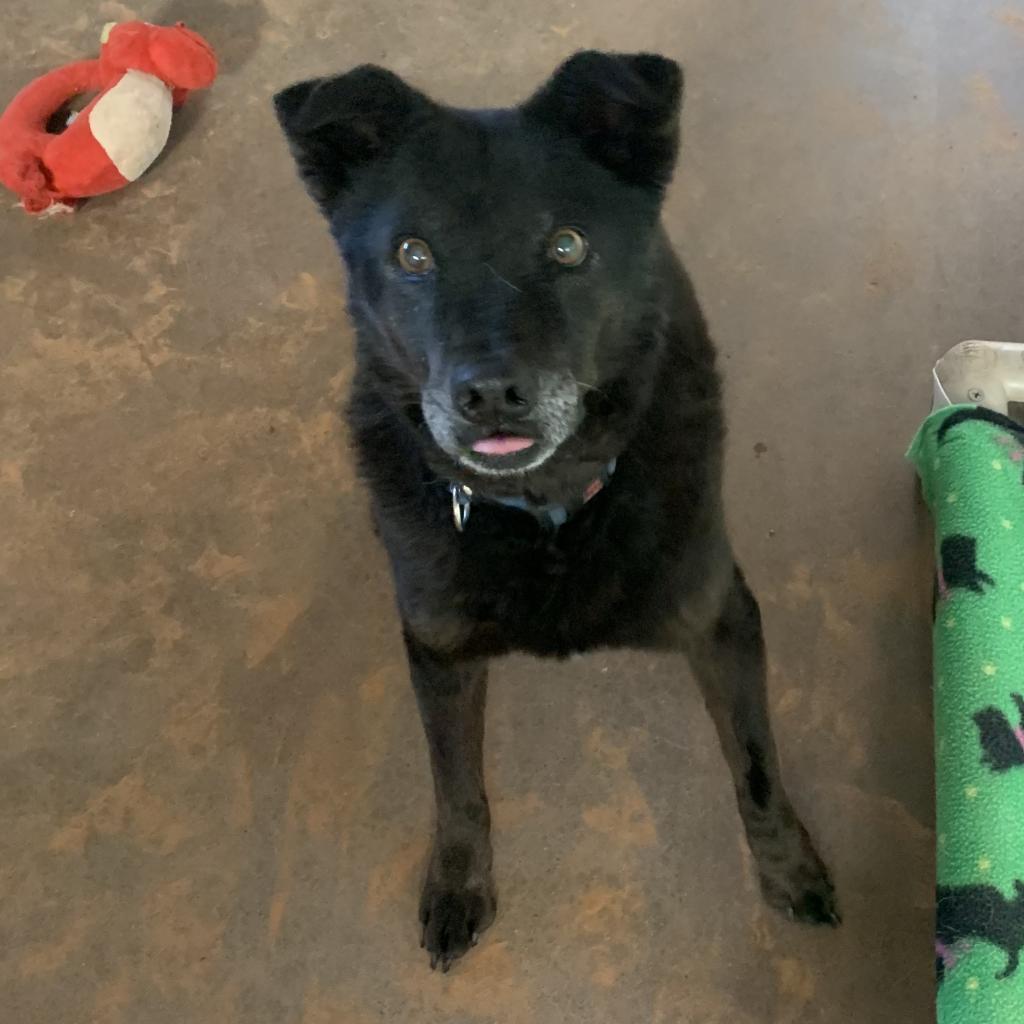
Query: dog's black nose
x=483 y=393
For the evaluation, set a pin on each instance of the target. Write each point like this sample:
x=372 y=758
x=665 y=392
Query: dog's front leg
x=458 y=899
x=728 y=661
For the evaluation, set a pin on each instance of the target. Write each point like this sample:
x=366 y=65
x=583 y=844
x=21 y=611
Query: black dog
x=537 y=414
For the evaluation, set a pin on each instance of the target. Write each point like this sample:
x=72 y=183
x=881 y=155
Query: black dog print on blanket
x=1012 y=428
x=959 y=566
x=979 y=912
x=1002 y=744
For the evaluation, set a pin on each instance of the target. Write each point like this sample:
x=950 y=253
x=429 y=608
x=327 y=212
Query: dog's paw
x=453 y=920
x=803 y=891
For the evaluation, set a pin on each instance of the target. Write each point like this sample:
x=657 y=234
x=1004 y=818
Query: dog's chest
x=556 y=593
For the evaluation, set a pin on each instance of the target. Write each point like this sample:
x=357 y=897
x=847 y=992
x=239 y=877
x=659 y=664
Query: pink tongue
x=502 y=444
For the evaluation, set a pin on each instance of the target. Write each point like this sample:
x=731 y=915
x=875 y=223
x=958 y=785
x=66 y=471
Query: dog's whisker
x=504 y=280
x=593 y=389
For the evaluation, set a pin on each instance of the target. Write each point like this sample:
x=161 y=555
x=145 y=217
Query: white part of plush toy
x=132 y=121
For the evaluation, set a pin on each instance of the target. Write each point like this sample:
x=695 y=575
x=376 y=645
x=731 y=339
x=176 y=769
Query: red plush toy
x=142 y=73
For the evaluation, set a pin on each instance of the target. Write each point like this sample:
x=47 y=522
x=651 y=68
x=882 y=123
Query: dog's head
x=499 y=259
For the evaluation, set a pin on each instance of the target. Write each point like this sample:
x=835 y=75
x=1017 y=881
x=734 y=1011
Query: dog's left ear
x=623 y=108
x=337 y=126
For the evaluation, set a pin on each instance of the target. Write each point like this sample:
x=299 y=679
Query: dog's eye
x=414 y=256
x=568 y=247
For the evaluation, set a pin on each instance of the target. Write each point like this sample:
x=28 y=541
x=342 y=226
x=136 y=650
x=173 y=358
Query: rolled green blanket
x=971 y=463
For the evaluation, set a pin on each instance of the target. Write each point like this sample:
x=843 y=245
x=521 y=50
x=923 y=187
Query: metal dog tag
x=461 y=502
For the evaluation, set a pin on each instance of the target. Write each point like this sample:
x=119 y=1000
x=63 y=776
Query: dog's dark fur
x=617 y=362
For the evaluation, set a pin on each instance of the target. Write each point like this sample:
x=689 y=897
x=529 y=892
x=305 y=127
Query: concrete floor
x=213 y=787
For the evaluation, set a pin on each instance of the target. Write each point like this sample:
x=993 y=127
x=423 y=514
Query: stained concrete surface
x=212 y=785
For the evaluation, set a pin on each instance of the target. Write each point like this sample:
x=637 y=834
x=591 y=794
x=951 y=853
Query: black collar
x=551 y=516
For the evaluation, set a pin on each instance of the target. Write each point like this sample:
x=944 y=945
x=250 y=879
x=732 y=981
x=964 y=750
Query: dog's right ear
x=336 y=126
